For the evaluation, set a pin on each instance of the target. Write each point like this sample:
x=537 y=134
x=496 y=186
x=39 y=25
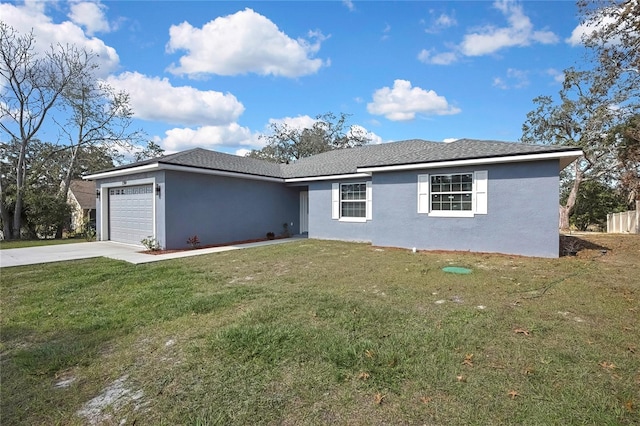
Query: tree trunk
x=567 y=209
x=21 y=175
x=7 y=231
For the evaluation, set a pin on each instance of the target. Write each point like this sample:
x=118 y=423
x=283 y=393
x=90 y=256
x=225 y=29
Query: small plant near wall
x=150 y=243
x=194 y=241
x=271 y=235
x=285 y=230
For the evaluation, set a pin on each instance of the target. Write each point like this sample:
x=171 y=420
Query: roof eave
x=565 y=157
x=174 y=167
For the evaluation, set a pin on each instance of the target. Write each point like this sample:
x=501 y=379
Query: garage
x=131 y=213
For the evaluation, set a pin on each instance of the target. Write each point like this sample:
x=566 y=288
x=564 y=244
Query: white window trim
x=336 y=203
x=479 y=196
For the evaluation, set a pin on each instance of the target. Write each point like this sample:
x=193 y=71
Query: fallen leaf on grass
x=364 y=375
x=513 y=394
x=629 y=406
x=461 y=378
x=607 y=365
x=378 y=398
x=522 y=331
x=467 y=360
x=631 y=349
x=425 y=399
x=369 y=353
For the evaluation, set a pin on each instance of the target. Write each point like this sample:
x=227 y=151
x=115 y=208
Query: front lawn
x=6 y=245
x=320 y=332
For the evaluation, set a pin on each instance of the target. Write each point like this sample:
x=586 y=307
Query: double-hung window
x=453 y=194
x=351 y=201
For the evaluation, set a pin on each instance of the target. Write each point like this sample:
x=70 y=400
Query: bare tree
x=31 y=86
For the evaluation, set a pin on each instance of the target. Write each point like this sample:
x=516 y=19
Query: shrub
x=150 y=243
x=194 y=241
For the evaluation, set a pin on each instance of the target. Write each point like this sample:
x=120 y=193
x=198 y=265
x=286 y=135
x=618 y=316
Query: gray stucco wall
x=522 y=213
x=222 y=209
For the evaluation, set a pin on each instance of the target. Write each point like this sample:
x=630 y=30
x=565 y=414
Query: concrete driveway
x=61 y=252
x=128 y=253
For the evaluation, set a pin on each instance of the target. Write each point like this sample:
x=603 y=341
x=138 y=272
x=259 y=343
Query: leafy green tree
x=594 y=102
x=329 y=132
x=152 y=150
x=583 y=118
x=595 y=200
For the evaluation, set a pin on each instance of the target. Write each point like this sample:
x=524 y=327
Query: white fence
x=625 y=222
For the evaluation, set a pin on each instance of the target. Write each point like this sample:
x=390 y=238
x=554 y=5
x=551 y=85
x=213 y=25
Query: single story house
x=81 y=197
x=467 y=195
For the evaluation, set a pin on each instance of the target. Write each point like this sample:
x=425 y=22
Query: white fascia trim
x=219 y=173
x=329 y=177
x=123 y=172
x=173 y=167
x=477 y=161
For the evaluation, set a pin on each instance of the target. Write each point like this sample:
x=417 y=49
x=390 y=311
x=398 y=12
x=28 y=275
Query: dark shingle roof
x=347 y=161
x=409 y=152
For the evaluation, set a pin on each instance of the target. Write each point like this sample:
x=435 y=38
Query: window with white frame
x=351 y=201
x=453 y=194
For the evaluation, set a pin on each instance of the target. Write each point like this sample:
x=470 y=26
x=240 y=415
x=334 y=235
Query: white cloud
x=558 y=76
x=373 y=138
x=90 y=16
x=299 y=122
x=31 y=16
x=155 y=99
x=449 y=140
x=441 y=23
x=403 y=102
x=444 y=58
x=349 y=4
x=245 y=42
x=515 y=79
x=519 y=32
x=209 y=137
x=586 y=29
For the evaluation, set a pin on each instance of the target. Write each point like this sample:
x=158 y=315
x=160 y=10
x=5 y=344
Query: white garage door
x=131 y=213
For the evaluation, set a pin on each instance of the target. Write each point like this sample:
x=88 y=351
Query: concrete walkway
x=128 y=253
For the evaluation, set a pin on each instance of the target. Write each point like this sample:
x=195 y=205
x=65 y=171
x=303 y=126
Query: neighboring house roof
x=84 y=192
x=351 y=160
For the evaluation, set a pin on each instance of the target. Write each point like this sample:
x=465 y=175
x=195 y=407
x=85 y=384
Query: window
x=451 y=192
x=351 y=201
x=455 y=194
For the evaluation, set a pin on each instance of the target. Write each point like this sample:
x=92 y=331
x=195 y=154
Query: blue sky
x=216 y=74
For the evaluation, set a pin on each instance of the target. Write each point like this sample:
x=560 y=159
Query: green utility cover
x=457 y=270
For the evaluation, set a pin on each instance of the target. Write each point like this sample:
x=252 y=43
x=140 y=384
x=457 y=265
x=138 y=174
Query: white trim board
x=570 y=155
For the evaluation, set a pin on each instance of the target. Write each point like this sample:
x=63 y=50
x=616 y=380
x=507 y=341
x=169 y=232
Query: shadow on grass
x=570 y=245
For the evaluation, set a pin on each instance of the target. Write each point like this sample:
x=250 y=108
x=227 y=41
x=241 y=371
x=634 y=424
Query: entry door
x=304 y=212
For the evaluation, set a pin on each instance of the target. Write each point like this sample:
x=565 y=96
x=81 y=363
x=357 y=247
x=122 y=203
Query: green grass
x=318 y=332
x=6 y=245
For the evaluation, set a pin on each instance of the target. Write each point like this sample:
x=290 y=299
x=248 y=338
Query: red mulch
x=232 y=243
